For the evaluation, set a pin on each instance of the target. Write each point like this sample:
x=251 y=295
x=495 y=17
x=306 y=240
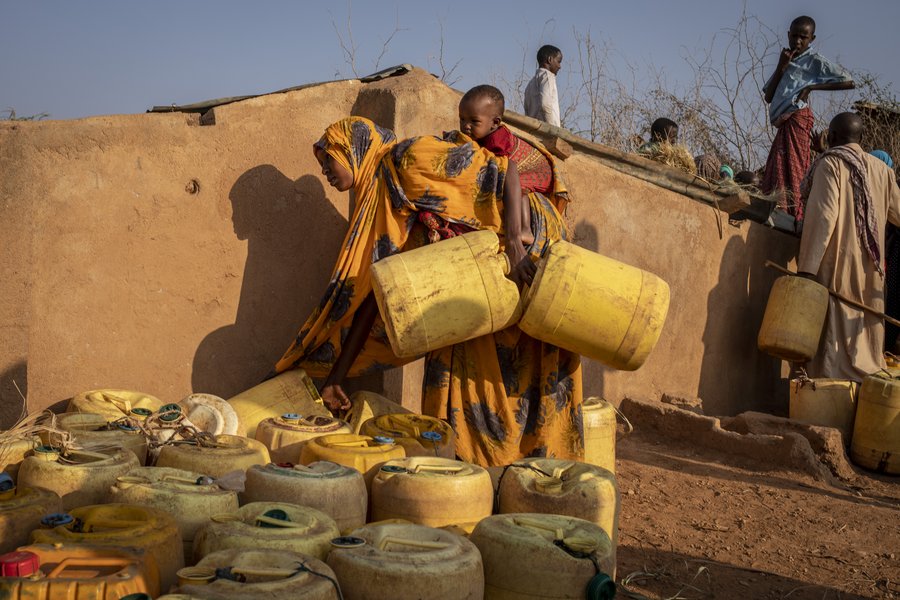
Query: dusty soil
x=697 y=524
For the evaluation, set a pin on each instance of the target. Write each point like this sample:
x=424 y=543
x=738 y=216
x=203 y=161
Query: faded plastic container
x=824 y=402
x=599 y=419
x=112 y=404
x=189 y=497
x=90 y=430
x=420 y=435
x=13 y=450
x=336 y=490
x=794 y=317
x=367 y=405
x=257 y=574
x=150 y=530
x=574 y=489
x=445 y=293
x=524 y=556
x=437 y=492
x=210 y=413
x=228 y=453
x=599 y=307
x=286 y=435
x=79 y=477
x=876 y=431
x=79 y=572
x=274 y=525
x=407 y=561
x=21 y=511
x=360 y=452
x=289 y=392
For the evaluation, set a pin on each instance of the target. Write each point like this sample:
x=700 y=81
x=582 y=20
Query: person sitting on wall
x=662 y=130
x=506 y=395
x=541 y=95
x=481 y=118
x=851 y=198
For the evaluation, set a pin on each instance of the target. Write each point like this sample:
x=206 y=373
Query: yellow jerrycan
x=437 y=492
x=552 y=486
x=275 y=525
x=210 y=413
x=13 y=450
x=360 y=452
x=530 y=555
x=445 y=293
x=794 y=317
x=80 y=477
x=253 y=574
x=420 y=435
x=286 y=435
x=876 y=432
x=824 y=402
x=599 y=307
x=394 y=560
x=91 y=430
x=149 y=530
x=48 y=572
x=289 y=392
x=599 y=419
x=113 y=404
x=225 y=453
x=21 y=511
x=367 y=405
x=189 y=497
x=336 y=490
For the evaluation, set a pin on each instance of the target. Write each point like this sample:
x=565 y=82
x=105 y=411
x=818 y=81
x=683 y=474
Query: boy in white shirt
x=541 y=97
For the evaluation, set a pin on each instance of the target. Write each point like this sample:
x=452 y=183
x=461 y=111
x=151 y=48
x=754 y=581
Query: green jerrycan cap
x=169 y=412
x=601 y=587
x=348 y=541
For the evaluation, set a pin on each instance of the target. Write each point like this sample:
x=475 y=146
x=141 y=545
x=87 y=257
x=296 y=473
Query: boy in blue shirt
x=799 y=72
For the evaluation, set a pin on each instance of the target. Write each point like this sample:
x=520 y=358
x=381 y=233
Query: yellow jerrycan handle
x=401 y=427
x=398 y=541
x=122 y=404
x=278 y=522
x=306 y=470
x=579 y=543
x=88 y=562
x=558 y=532
x=455 y=469
x=351 y=444
x=183 y=480
x=264 y=572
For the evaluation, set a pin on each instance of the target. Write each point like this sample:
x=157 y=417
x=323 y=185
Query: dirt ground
x=699 y=524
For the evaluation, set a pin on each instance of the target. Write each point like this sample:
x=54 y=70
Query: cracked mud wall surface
x=150 y=252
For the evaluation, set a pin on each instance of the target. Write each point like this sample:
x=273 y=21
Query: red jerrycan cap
x=19 y=563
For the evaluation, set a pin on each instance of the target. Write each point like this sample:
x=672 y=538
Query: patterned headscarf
x=866 y=220
x=358 y=145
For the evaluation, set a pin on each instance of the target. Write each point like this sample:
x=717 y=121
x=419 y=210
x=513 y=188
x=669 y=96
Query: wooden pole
x=840 y=297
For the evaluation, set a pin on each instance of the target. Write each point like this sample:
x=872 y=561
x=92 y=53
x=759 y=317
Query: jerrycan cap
x=394 y=469
x=170 y=412
x=19 y=563
x=127 y=427
x=383 y=440
x=47 y=453
x=601 y=587
x=57 y=519
x=6 y=482
x=204 y=480
x=347 y=541
x=275 y=514
x=432 y=436
x=290 y=417
x=141 y=412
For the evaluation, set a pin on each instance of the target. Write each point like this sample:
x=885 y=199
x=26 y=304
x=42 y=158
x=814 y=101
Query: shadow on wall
x=13 y=386
x=593 y=373
x=735 y=308
x=293 y=235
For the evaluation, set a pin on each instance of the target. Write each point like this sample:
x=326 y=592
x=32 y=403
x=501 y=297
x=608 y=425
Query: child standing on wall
x=481 y=118
x=799 y=72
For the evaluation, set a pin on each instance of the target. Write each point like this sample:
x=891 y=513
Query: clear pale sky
x=78 y=58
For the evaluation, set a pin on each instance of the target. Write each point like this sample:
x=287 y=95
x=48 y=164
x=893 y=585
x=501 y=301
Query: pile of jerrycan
x=867 y=415
x=270 y=495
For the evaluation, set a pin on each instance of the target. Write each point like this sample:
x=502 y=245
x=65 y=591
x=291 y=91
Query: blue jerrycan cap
x=432 y=436
x=6 y=482
x=57 y=519
x=383 y=440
